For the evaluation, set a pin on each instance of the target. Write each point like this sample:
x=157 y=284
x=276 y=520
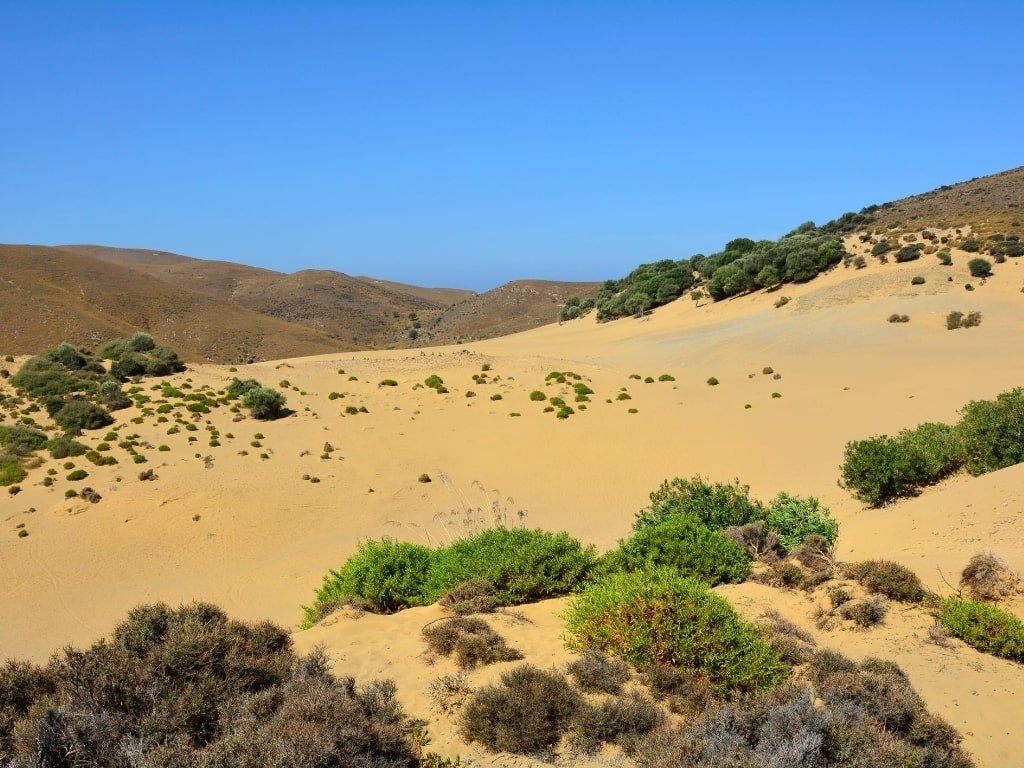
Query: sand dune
x=264 y=536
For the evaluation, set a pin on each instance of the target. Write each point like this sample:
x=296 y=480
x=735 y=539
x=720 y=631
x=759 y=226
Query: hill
x=49 y=295
x=226 y=312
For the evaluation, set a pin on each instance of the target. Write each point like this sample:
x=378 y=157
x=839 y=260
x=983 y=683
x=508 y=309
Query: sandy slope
x=264 y=536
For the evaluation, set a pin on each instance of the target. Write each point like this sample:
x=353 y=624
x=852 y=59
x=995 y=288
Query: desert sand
x=253 y=536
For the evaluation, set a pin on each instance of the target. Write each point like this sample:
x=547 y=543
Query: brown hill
x=354 y=312
x=48 y=295
x=988 y=204
x=516 y=306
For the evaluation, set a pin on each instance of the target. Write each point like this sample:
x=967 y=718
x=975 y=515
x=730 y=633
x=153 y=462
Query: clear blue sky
x=466 y=144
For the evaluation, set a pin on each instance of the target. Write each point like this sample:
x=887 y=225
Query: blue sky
x=466 y=144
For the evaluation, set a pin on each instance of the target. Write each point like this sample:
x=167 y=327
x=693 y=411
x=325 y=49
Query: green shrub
x=264 y=403
x=984 y=627
x=658 y=617
x=522 y=565
x=388 y=575
x=882 y=469
x=971 y=245
x=434 y=381
x=683 y=543
x=496 y=396
x=896 y=318
x=716 y=505
x=666 y=377
x=794 y=518
x=526 y=713
x=980 y=267
x=78 y=474
x=953 y=320
x=537 y=396
x=917 y=280
x=885 y=577
x=880 y=248
x=781 y=302
x=11 y=471
x=75 y=416
x=388 y=383
x=944 y=257
x=992 y=432
x=21 y=440
x=564 y=412
x=240 y=387
x=713 y=382
x=909 y=253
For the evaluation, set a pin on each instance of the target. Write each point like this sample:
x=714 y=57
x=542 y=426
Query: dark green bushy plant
x=21 y=440
x=980 y=267
x=684 y=544
x=264 y=403
x=717 y=505
x=239 y=387
x=992 y=432
x=657 y=617
x=76 y=416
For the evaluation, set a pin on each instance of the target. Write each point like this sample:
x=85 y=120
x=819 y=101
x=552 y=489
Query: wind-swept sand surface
x=264 y=536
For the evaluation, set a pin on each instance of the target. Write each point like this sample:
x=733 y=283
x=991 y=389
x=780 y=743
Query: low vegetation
x=881 y=469
x=657 y=616
x=190 y=687
x=985 y=627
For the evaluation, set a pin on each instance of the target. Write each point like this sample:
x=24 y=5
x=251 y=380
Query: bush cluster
x=852 y=716
x=518 y=565
x=881 y=469
x=743 y=265
x=719 y=506
x=189 y=687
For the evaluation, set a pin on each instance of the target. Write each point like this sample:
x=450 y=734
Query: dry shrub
x=757 y=541
x=783 y=574
x=473 y=596
x=526 y=713
x=449 y=692
x=686 y=690
x=814 y=552
x=471 y=640
x=887 y=578
x=864 y=613
x=869 y=716
x=793 y=644
x=188 y=687
x=839 y=596
x=986 y=577
x=621 y=720
x=596 y=673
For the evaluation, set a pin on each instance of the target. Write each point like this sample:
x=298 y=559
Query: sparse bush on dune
x=264 y=403
x=472 y=641
x=189 y=687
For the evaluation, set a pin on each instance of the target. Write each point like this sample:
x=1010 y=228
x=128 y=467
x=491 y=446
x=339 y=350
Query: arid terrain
x=254 y=522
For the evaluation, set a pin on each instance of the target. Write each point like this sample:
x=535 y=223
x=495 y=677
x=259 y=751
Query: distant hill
x=50 y=294
x=226 y=312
